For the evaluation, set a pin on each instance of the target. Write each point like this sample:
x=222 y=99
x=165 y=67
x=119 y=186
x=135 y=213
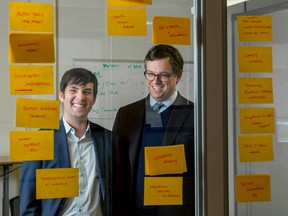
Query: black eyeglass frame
x=160 y=76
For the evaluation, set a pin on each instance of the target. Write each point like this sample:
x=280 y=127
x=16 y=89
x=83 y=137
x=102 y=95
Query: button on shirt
x=82 y=156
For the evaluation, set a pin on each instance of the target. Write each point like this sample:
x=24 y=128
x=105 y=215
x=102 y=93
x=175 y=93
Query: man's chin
x=80 y=116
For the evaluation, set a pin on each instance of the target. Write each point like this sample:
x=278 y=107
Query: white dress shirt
x=82 y=156
x=166 y=103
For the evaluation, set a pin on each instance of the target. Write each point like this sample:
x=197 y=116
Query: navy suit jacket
x=102 y=140
x=129 y=127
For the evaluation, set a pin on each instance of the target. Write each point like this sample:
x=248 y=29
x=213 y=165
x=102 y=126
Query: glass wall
x=258 y=144
x=81 y=42
x=81 y=39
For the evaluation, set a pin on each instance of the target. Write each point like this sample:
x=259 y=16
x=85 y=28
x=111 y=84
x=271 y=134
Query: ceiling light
x=233 y=2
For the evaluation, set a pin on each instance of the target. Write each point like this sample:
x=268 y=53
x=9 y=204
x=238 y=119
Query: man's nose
x=80 y=95
x=157 y=79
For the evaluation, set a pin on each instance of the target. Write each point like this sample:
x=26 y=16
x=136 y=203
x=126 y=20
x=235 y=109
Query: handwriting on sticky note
x=35 y=113
x=255 y=59
x=126 y=21
x=165 y=160
x=28 y=16
x=163 y=191
x=255 y=148
x=31 y=48
x=31 y=80
x=171 y=30
x=255 y=28
x=253 y=188
x=57 y=183
x=257 y=120
x=31 y=145
x=255 y=90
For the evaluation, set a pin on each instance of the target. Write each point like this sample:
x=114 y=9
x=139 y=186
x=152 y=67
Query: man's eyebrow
x=159 y=73
x=72 y=86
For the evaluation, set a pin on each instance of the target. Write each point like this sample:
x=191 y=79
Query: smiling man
x=78 y=143
x=163 y=118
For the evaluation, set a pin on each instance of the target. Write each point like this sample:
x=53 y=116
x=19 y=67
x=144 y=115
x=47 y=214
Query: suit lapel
x=136 y=131
x=98 y=143
x=61 y=146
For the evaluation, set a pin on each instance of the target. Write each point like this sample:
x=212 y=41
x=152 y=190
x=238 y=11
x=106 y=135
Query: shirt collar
x=68 y=127
x=167 y=102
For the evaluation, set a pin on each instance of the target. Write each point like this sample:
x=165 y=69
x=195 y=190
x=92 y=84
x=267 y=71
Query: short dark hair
x=78 y=76
x=163 y=51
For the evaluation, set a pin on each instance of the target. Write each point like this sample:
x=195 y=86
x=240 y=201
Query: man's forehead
x=80 y=85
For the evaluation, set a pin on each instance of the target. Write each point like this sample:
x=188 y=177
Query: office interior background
x=80 y=39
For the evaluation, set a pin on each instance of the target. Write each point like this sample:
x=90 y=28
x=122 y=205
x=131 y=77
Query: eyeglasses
x=162 y=76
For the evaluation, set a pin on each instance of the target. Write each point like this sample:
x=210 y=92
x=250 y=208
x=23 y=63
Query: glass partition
x=81 y=39
x=116 y=60
x=259 y=155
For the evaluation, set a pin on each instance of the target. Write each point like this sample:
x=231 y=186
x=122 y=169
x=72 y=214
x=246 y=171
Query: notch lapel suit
x=129 y=126
x=102 y=141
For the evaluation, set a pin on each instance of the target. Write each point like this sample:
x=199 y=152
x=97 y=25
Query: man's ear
x=179 y=76
x=94 y=100
x=61 y=96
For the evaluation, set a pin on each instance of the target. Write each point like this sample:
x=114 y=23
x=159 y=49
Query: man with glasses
x=163 y=118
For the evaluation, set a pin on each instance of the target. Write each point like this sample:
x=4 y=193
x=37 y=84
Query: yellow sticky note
x=35 y=113
x=255 y=90
x=255 y=28
x=31 y=145
x=28 y=16
x=257 y=120
x=163 y=191
x=165 y=160
x=126 y=21
x=255 y=59
x=31 y=48
x=128 y=2
x=30 y=80
x=253 y=188
x=171 y=30
x=255 y=148
x=57 y=183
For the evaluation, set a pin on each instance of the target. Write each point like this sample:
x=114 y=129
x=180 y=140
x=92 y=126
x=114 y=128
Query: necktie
x=158 y=106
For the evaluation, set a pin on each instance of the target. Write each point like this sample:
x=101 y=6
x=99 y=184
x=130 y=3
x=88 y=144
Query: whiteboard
x=121 y=82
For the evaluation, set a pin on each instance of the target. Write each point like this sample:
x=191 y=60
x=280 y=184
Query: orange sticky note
x=30 y=80
x=165 y=160
x=253 y=188
x=257 y=120
x=128 y=2
x=31 y=48
x=255 y=148
x=255 y=28
x=163 y=191
x=255 y=90
x=28 y=16
x=171 y=30
x=255 y=59
x=126 y=21
x=35 y=113
x=31 y=145
x=57 y=183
